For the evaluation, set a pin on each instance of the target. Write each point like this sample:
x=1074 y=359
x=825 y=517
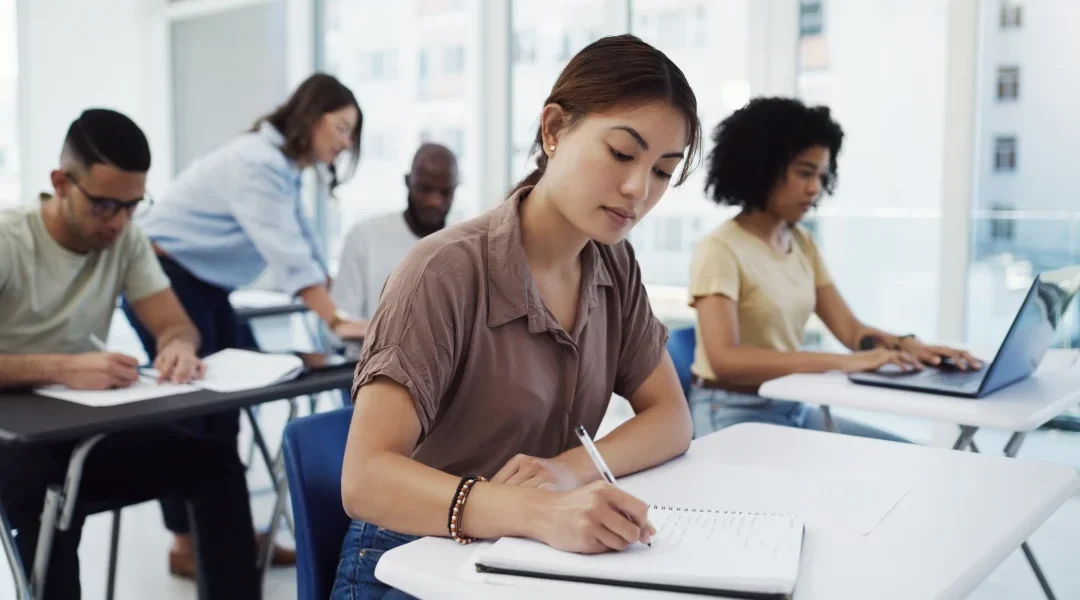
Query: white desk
x=1019 y=408
x=964 y=515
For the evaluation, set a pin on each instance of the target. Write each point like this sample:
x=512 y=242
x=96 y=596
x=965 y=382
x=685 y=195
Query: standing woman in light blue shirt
x=237 y=211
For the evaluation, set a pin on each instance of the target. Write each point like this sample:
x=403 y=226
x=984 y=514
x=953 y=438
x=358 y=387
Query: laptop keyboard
x=950 y=377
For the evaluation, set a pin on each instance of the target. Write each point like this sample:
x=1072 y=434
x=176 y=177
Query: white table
x=1019 y=408
x=965 y=513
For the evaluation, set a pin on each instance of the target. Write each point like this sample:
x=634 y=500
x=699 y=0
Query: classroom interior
x=956 y=189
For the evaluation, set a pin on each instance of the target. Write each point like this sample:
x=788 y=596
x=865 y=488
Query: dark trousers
x=131 y=467
x=208 y=307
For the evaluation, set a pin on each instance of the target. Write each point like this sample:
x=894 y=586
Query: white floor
x=143 y=567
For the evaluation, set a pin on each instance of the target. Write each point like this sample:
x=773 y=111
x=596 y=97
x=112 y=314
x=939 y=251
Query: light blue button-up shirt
x=236 y=211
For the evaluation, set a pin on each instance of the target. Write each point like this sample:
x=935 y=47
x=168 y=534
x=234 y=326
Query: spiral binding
x=719 y=512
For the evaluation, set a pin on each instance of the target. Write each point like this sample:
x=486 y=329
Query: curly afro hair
x=755 y=145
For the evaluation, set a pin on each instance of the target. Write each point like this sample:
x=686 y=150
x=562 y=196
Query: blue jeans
x=363 y=546
x=713 y=410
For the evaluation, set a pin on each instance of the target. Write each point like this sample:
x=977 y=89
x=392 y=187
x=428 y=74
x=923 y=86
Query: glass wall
x=880 y=232
x=413 y=65
x=1026 y=211
x=9 y=130
x=543 y=37
x=710 y=41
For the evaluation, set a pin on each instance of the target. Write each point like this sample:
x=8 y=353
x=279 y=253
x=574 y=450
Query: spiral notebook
x=713 y=552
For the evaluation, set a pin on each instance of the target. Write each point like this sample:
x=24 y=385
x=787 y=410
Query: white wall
x=90 y=53
x=227 y=69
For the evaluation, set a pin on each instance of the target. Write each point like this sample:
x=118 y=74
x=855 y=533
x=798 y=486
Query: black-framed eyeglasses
x=107 y=208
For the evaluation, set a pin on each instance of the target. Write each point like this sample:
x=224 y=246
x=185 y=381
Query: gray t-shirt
x=372 y=250
x=52 y=299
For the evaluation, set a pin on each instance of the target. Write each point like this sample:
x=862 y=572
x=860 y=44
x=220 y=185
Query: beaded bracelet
x=457 y=509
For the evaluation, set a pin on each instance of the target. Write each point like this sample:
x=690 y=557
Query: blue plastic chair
x=314 y=450
x=680 y=346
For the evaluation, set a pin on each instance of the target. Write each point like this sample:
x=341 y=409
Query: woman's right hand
x=592 y=519
x=872 y=360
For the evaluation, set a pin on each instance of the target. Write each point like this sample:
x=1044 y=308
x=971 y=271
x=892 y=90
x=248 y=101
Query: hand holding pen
x=605 y=472
x=98 y=370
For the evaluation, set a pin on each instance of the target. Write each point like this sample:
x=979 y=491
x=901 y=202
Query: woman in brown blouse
x=496 y=338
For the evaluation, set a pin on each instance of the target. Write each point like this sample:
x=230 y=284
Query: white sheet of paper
x=143 y=389
x=233 y=370
x=226 y=371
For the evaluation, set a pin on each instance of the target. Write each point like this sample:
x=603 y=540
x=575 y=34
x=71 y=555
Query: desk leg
x=267 y=549
x=1013 y=446
x=277 y=471
x=58 y=511
x=275 y=465
x=18 y=571
x=1011 y=450
x=967 y=434
x=830 y=425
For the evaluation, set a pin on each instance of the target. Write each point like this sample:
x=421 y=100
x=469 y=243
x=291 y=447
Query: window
x=719 y=72
x=811 y=18
x=879 y=232
x=379 y=65
x=1008 y=83
x=425 y=85
x=669 y=235
x=1011 y=15
x=1002 y=228
x=454 y=59
x=813 y=43
x=544 y=36
x=9 y=91
x=523 y=47
x=1004 y=154
x=451 y=137
x=1027 y=222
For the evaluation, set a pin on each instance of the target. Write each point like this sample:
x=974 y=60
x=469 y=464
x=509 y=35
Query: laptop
x=1030 y=336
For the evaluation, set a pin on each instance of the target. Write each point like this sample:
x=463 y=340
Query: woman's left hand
x=531 y=472
x=933 y=355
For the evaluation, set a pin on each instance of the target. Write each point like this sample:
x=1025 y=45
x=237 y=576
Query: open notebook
x=721 y=553
x=229 y=370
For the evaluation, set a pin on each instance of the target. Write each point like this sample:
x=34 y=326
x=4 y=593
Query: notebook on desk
x=713 y=552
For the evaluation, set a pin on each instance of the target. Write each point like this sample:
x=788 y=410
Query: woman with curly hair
x=757 y=278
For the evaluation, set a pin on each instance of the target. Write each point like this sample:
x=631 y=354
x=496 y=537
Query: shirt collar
x=275 y=138
x=271 y=134
x=512 y=293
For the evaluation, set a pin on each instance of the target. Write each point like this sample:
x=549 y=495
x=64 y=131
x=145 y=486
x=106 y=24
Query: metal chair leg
x=114 y=547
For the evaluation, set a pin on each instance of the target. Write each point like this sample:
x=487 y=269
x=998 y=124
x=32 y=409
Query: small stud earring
x=552 y=148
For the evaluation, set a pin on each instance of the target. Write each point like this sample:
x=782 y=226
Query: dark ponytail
x=534 y=177
x=615 y=72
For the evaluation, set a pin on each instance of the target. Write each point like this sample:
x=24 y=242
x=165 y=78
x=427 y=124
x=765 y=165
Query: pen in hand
x=144 y=372
x=605 y=472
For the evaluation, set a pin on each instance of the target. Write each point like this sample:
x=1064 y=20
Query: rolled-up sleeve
x=417 y=335
x=144 y=276
x=266 y=205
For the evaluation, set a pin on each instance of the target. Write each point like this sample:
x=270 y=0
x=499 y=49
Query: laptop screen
x=1032 y=331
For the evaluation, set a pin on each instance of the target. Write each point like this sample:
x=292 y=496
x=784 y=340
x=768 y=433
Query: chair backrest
x=314 y=451
x=680 y=346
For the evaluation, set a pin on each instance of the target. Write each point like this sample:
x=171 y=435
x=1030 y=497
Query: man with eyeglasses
x=63 y=264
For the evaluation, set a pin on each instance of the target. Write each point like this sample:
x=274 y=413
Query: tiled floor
x=144 y=540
